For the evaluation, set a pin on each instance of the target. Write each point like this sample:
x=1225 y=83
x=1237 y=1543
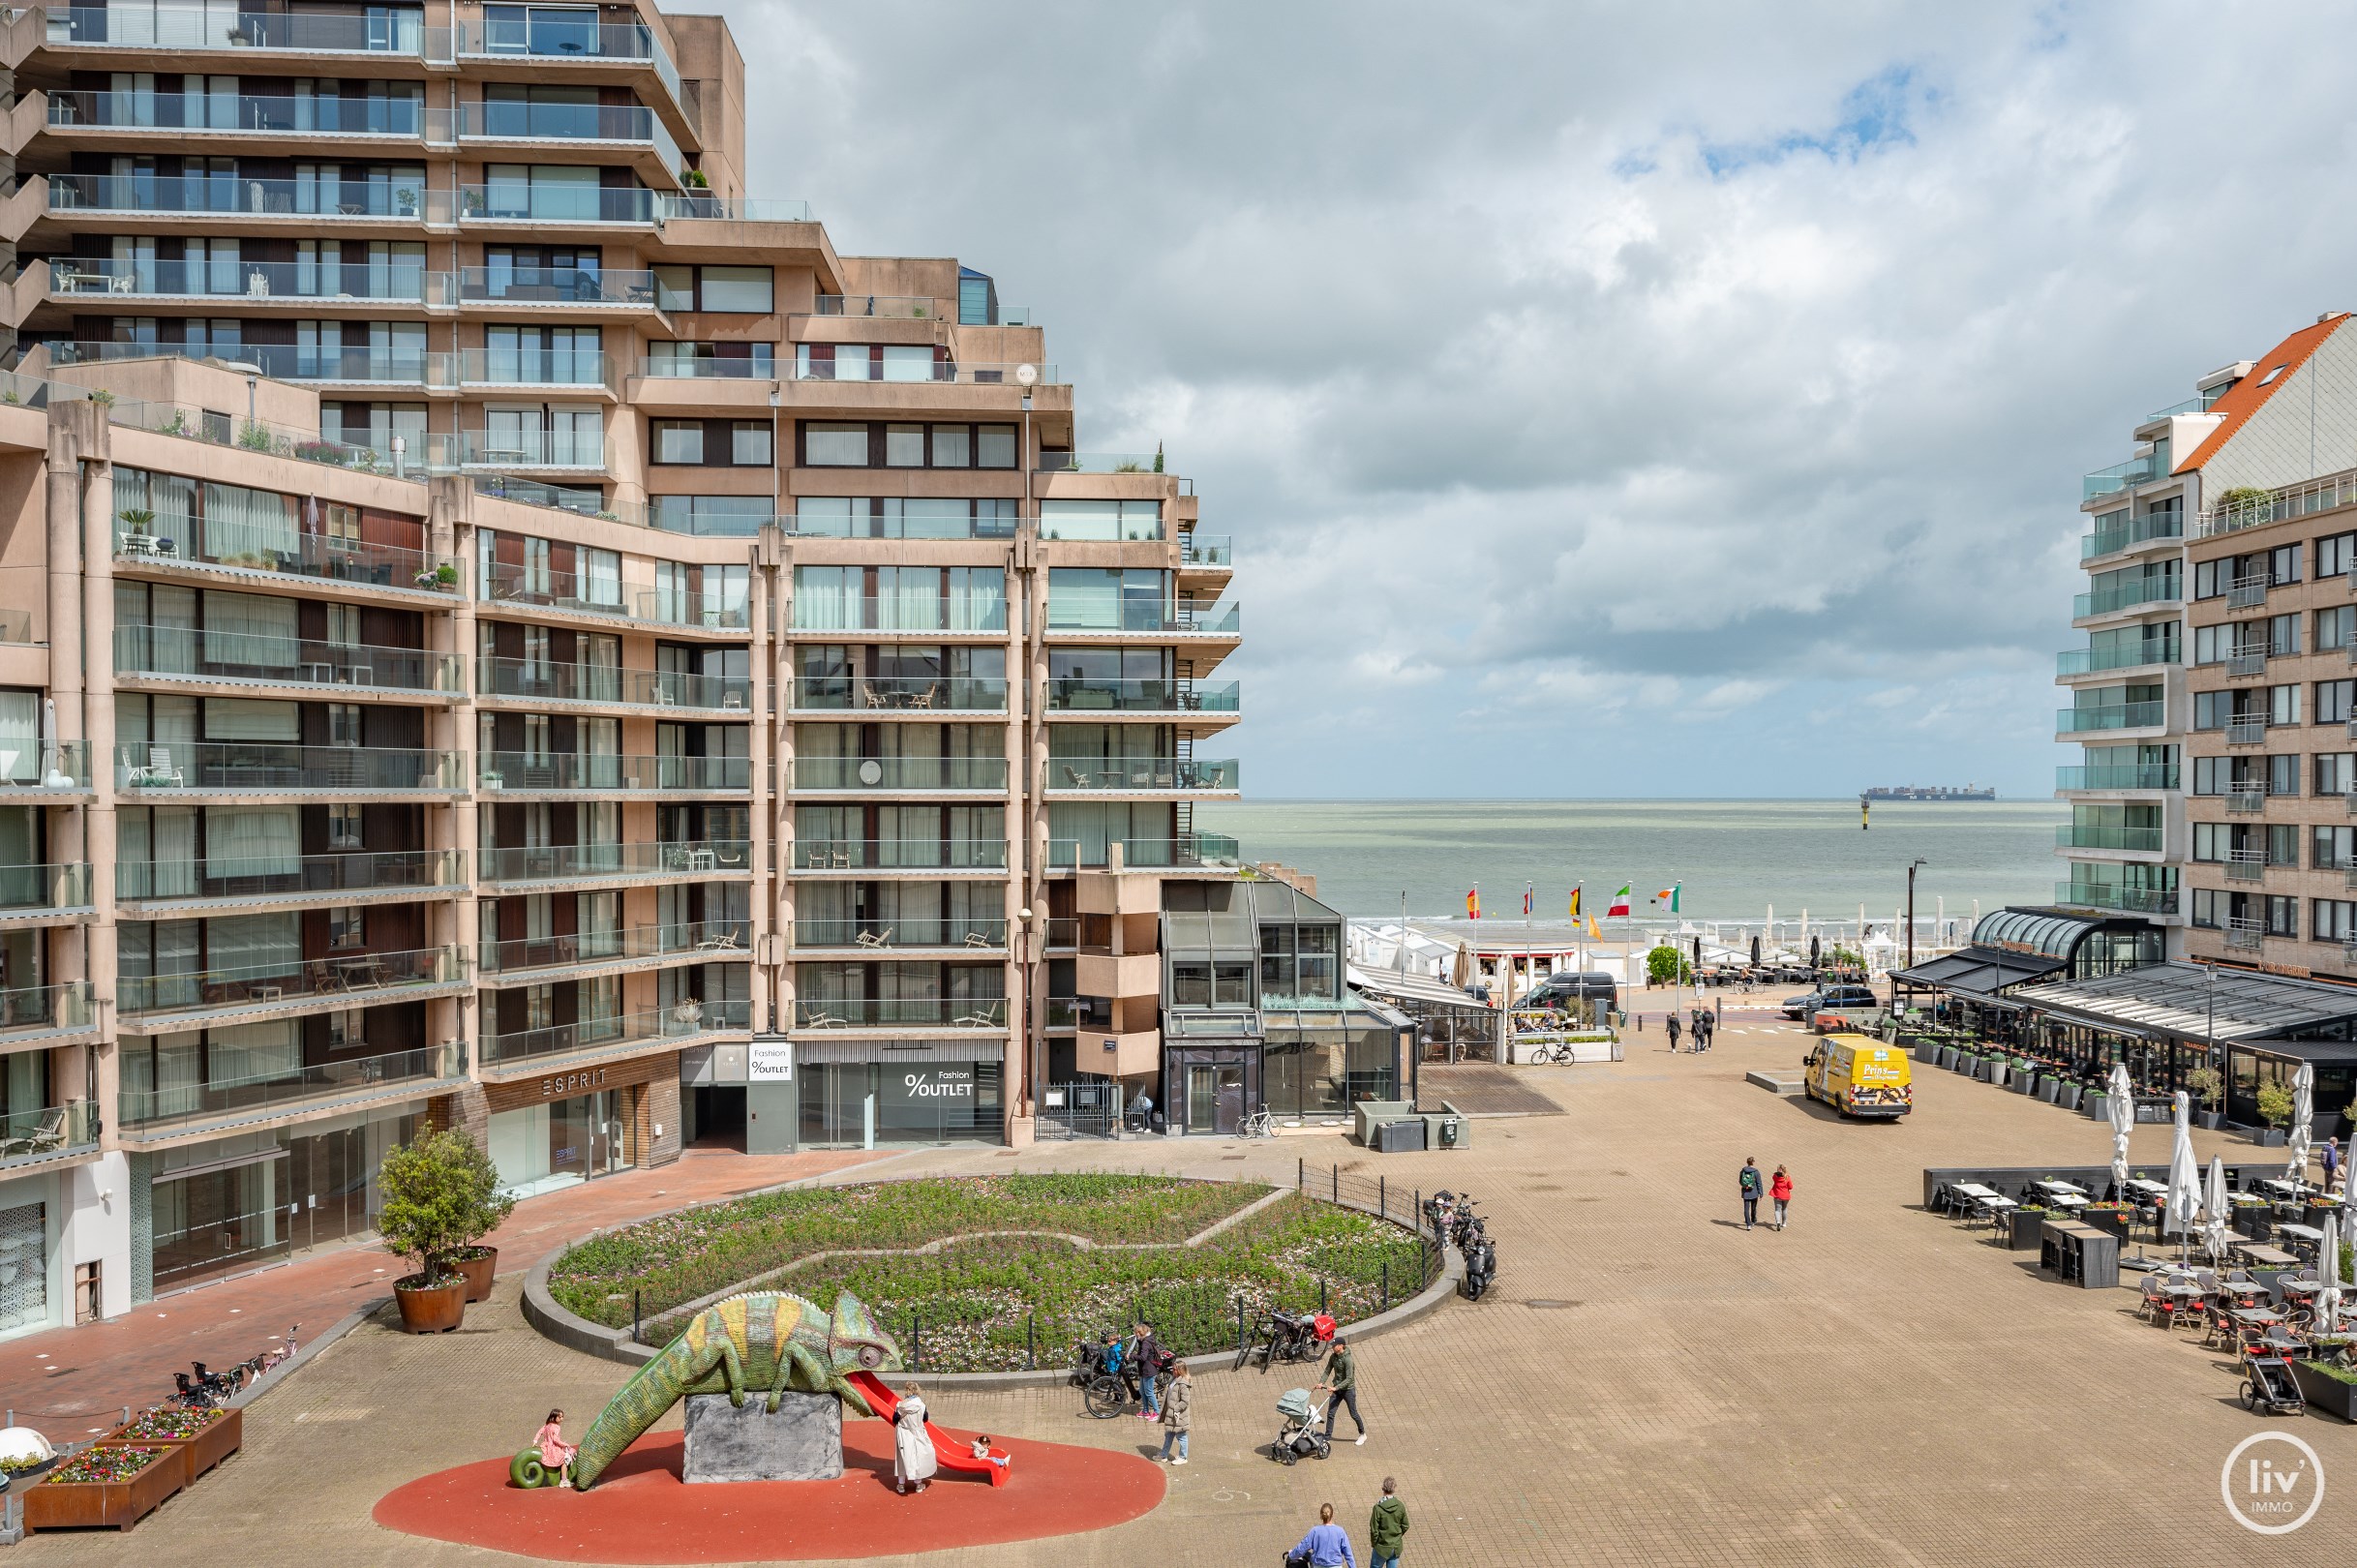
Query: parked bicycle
x=1281 y=1336
x=1105 y=1382
x=1258 y=1124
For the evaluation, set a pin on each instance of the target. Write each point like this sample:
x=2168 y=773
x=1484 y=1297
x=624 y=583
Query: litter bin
x=1402 y=1134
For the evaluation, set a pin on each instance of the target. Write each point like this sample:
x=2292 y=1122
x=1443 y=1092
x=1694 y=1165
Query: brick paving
x=1648 y=1385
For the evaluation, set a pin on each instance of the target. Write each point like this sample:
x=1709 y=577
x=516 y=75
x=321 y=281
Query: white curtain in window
x=908 y=597
x=158 y=853
x=251 y=629
x=244 y=718
x=252 y=842
x=248 y=1053
x=248 y=522
x=826 y=598
x=20 y=735
x=264 y=944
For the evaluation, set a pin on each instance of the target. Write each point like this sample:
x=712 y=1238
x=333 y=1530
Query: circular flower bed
x=104 y=1465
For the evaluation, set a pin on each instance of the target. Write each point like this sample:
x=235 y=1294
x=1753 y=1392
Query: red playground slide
x=952 y=1454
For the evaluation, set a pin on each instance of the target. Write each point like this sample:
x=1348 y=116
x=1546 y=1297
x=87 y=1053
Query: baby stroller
x=2268 y=1384
x=1300 y=1438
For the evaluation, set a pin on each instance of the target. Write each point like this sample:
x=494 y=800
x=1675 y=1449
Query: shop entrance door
x=834 y=1104
x=1215 y=1097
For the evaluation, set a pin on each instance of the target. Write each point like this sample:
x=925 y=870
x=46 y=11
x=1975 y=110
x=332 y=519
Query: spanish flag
x=1575 y=899
x=1472 y=903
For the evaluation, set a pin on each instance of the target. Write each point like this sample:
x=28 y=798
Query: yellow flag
x=1593 y=935
x=1575 y=903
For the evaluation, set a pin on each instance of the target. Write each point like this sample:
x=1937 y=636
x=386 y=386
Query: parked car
x=1830 y=998
x=1802 y=1005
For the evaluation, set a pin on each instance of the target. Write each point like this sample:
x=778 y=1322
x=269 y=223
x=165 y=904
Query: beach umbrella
x=2214 y=1211
x=2302 y=1122
x=1461 y=973
x=2185 y=1178
x=1813 y=953
x=2328 y=1278
x=1755 y=949
x=2123 y=1118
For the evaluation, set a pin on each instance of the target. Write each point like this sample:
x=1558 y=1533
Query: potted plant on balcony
x=2275 y=1109
x=2205 y=1084
x=443 y=577
x=441 y=1196
x=137 y=521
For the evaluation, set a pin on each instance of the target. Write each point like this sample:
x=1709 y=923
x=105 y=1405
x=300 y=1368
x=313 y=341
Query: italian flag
x=1620 y=902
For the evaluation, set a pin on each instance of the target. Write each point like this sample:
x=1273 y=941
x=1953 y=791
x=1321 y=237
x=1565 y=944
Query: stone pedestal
x=803 y=1442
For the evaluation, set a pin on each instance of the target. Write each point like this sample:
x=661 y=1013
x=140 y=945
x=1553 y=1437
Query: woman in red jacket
x=1780 y=1188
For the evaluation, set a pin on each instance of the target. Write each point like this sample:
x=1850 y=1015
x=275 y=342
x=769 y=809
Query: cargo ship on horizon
x=1928 y=792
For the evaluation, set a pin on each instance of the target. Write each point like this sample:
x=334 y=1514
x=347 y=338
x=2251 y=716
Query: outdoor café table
x=1974 y=1190
x=2058 y=1187
x=2281 y=1187
x=2256 y=1316
x=2301 y=1234
x=2157 y=1189
x=2067 y=1200
x=2267 y=1257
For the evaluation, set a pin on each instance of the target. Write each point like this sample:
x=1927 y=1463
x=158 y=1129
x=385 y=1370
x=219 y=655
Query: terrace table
x=2059 y=1187
x=2301 y=1234
x=2267 y=1257
x=2143 y=1185
x=2281 y=1185
x=2067 y=1200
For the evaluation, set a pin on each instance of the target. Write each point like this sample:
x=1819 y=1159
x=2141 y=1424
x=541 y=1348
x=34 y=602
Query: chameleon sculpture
x=763 y=1340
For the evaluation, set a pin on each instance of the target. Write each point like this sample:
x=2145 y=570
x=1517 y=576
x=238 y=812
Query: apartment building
x=501 y=630
x=2212 y=697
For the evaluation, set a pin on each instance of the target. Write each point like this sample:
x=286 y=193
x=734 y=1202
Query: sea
x=1731 y=859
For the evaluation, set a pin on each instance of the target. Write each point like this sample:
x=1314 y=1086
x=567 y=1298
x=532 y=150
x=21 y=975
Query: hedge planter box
x=2324 y=1392
x=2111 y=1220
x=1991 y=1073
x=2268 y=1137
x=2022 y=1228
x=2068 y=1099
x=2255 y=1221
x=2315 y=1215
x=478 y=1272
x=105 y=1488
x=2024 y=1081
x=202 y=1437
x=2050 y=1089
x=2098 y=1105
x=435 y=1309
x=1928 y=1053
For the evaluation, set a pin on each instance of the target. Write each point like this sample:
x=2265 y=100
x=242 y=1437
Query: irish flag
x=1669 y=895
x=1620 y=902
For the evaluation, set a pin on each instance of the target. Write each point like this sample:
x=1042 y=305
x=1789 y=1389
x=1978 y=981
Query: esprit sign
x=567 y=1085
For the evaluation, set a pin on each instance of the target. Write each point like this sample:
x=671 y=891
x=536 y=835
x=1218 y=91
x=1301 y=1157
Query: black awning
x=1981 y=971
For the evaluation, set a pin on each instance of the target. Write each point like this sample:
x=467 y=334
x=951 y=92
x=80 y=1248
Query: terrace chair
x=875 y=939
x=158 y=772
x=2152 y=1305
x=974 y=939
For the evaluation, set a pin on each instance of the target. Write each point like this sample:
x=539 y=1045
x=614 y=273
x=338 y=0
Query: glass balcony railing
x=497 y=449
x=48 y=1134
x=557 y=286
x=66 y=1007
x=2117 y=776
x=176 y=25
x=508 y=120
x=899 y=774
x=1120 y=773
x=561 y=863
x=913 y=1012
x=2136 y=470
x=900 y=854
x=227 y=194
x=64 y=886
x=2103 y=836
x=671 y=208
x=2103 y=895
x=908 y=523
x=2136 y=532
x=928 y=694
x=272 y=659
x=943 y=372
x=1187 y=850
x=542 y=588
x=685 y=514
x=1098 y=463
x=1146 y=615
x=1206 y=550
x=1090 y=695
x=759 y=366
x=518 y=202
x=680 y=1021
x=228 y=280
x=882 y=307
x=176 y=536
x=271 y=767
x=713 y=940
x=2123 y=595
x=2111 y=716
x=58 y=764
x=536 y=367
x=816 y=611
x=398 y=116
x=887 y=934
x=686 y=607
x=1100 y=529
x=603 y=683
x=152 y=1111
x=568 y=34
x=350 y=977
x=290 y=876
x=2072 y=661
x=530 y=771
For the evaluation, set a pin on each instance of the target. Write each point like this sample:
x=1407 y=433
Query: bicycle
x=1258 y=1124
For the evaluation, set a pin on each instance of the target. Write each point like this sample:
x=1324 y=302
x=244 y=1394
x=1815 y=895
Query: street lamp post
x=1911 y=870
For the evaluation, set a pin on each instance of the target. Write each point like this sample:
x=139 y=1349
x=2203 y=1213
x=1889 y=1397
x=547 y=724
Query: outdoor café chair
x=2155 y=1306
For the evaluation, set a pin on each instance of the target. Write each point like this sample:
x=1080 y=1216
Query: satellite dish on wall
x=1026 y=374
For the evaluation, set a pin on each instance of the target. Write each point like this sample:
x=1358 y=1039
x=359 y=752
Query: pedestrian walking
x=1178 y=1403
x=1326 y=1546
x=1386 y=1528
x=1749 y=1181
x=1340 y=1378
x=2332 y=1162
x=1780 y=1191
x=1672 y=1034
x=1147 y=1356
x=914 y=1459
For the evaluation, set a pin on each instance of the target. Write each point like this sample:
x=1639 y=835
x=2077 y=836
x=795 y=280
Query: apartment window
x=904 y=446
x=994 y=446
x=2283 y=915
x=2210 y=905
x=750 y=444
x=343 y=826
x=2334 y=771
x=2283 y=704
x=2334 y=555
x=678 y=441
x=717 y=516
x=835 y=446
x=2332 y=849
x=344 y=724
x=2282 y=775
x=2334 y=919
x=2212 y=840
x=345 y=927
x=2283 y=843
x=347 y=1029
x=827 y=444
x=2282 y=635
x=2334 y=701
x=727 y=290
x=2333 y=627
x=952 y=446
x=1141 y=520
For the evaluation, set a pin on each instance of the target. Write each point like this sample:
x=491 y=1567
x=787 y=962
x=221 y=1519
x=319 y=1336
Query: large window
x=843 y=446
x=730 y=290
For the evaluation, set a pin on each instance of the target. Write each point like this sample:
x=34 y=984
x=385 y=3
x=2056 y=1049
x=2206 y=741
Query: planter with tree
x=2205 y=1084
x=441 y=1197
x=2275 y=1109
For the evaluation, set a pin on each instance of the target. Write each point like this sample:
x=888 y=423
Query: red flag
x=1472 y=903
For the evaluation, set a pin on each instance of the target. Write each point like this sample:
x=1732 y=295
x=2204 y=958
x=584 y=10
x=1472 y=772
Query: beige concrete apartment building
x=502 y=629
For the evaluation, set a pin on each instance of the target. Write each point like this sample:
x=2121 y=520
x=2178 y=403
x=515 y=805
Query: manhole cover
x=1544 y=1304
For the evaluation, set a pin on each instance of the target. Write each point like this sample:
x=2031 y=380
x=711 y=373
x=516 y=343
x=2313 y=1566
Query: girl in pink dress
x=555 y=1452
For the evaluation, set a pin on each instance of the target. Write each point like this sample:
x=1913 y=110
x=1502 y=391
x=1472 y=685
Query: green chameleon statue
x=764 y=1340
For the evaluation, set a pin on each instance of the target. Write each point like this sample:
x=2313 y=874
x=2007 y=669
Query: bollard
x=1030 y=1342
x=1239 y=1328
x=1300 y=1174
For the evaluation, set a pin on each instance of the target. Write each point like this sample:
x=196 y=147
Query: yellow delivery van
x=1860 y=1076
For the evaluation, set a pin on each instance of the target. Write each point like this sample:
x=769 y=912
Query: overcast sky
x=1630 y=399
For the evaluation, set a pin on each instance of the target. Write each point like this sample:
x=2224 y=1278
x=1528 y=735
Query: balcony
x=901 y=1013
x=567 y=205
x=144 y=652
x=2137 y=531
x=380 y=118
x=2126 y=596
x=2112 y=716
x=2246 y=666
x=573 y=288
x=532 y=681
x=2245 y=865
x=2245 y=935
x=44 y=891
x=1053 y=462
x=2248 y=593
x=1131 y=619
x=1187 y=851
x=937 y=372
x=905 y=525
x=2105 y=836
x=2246 y=730
x=170 y=539
x=886 y=936
x=1206 y=550
x=899 y=694
x=1074 y=694
x=154 y=1113
x=2117 y=776
x=291 y=985
x=630 y=1034
x=542 y=959
x=273 y=767
x=926 y=612
x=700 y=611
x=2247 y=800
x=1130 y=776
x=683 y=364
x=225 y=195
x=52 y=768
x=523 y=772
x=570 y=35
x=900 y=854
x=575 y=370
x=57 y=1133
x=31 y=1013
x=883 y=307
x=179 y=27
x=642 y=861
x=2136 y=470
x=624 y=124
x=567 y=450
x=249 y=284
x=671 y=208
x=899 y=774
x=369 y=876
x=2103 y=895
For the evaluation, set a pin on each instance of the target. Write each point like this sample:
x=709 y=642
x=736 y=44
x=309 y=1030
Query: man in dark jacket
x=1387 y=1528
x=1144 y=1361
x=1342 y=1380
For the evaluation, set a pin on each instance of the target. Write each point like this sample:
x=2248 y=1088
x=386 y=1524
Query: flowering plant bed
x=203 y=1439
x=104 y=1486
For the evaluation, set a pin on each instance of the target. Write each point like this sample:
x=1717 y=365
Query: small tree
x=2205 y=1084
x=1846 y=958
x=2275 y=1104
x=1665 y=962
x=441 y=1194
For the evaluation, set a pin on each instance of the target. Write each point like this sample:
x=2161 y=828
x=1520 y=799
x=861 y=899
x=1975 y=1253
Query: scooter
x=1480 y=1268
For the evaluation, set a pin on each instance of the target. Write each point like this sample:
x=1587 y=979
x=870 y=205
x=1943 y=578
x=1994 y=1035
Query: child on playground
x=982 y=1450
x=555 y=1452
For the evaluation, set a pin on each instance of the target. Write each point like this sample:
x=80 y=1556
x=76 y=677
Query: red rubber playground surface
x=640 y=1512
